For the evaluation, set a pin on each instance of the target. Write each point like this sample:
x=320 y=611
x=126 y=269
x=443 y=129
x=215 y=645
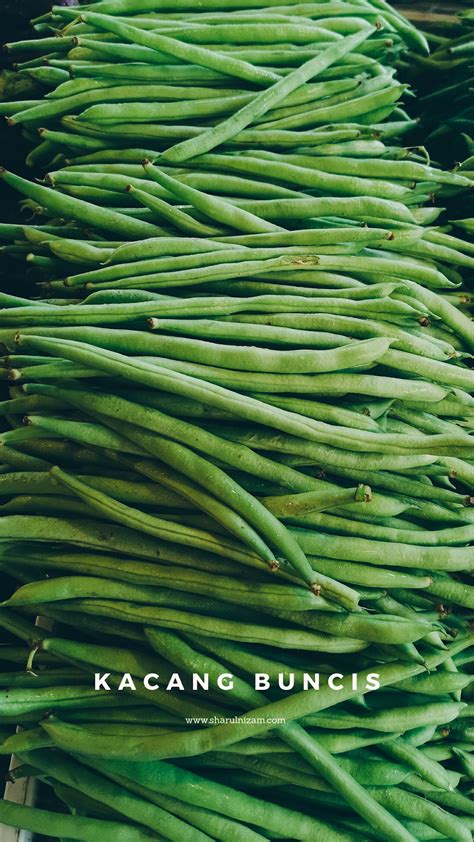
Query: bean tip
x=14 y=374
x=316 y=588
x=152 y=324
x=469 y=501
x=35 y=647
x=274 y=565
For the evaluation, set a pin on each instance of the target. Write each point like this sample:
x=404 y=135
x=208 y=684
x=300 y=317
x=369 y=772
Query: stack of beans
x=241 y=434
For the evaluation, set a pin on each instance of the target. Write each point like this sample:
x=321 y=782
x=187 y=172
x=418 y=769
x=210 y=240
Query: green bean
x=306 y=176
x=228 y=518
x=256 y=594
x=42 y=44
x=441 y=372
x=354 y=354
x=67 y=771
x=264 y=32
x=212 y=207
x=437 y=684
x=188 y=52
x=449 y=589
x=261 y=334
x=83 y=432
x=249 y=137
x=346 y=785
x=376 y=628
x=263 y=102
x=402 y=485
x=45 y=678
x=138 y=72
x=90 y=534
x=143 y=493
x=138 y=714
x=348 y=208
x=388 y=605
x=199 y=791
x=398 y=170
x=140 y=112
x=215 y=627
x=104 y=564
x=129 y=100
x=310 y=453
x=407 y=717
x=80 y=803
x=19 y=655
x=401 y=555
x=454 y=800
x=155 y=266
x=95 y=627
x=101 y=217
x=153 y=374
x=341 y=384
x=296 y=504
x=310 y=237
x=225 y=488
x=28 y=740
x=428 y=769
x=219 y=797
x=159 y=246
x=351 y=327
x=443 y=537
x=166 y=212
x=154 y=525
x=206 y=820
x=236 y=455
x=376 y=101
x=75 y=826
x=22 y=701
x=362 y=574
x=86 y=656
x=77 y=252
x=410 y=806
x=450 y=315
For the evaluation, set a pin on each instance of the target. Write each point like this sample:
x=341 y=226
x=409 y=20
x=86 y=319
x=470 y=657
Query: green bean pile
x=239 y=433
